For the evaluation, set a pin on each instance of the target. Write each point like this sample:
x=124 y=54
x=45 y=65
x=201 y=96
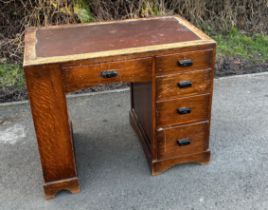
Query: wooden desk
x=169 y=64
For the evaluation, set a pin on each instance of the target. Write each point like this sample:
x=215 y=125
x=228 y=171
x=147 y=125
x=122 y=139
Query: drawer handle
x=185 y=63
x=184 y=84
x=109 y=74
x=183 y=142
x=184 y=110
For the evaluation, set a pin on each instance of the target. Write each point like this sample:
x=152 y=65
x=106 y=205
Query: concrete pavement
x=112 y=168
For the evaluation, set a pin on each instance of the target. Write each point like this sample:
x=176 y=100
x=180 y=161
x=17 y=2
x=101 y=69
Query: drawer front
x=192 y=60
x=188 y=83
x=77 y=77
x=184 y=110
x=183 y=140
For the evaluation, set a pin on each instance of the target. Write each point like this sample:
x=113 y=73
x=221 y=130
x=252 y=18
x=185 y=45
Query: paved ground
x=113 y=170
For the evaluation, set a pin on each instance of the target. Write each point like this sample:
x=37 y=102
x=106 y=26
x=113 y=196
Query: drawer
x=192 y=60
x=183 y=110
x=82 y=76
x=188 y=83
x=183 y=140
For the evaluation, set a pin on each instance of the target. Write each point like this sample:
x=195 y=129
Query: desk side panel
x=141 y=95
x=53 y=132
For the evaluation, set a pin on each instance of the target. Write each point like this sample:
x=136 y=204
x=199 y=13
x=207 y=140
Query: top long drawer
x=192 y=60
x=82 y=76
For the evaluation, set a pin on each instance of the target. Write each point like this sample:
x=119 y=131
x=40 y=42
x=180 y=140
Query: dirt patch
x=9 y=94
x=225 y=66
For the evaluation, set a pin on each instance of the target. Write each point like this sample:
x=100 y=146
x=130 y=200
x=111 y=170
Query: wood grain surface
x=167 y=111
x=168 y=64
x=196 y=134
x=168 y=86
x=49 y=111
x=82 y=76
x=154 y=74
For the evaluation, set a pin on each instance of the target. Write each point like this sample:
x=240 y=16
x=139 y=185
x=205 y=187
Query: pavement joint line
x=99 y=93
x=243 y=75
x=105 y=92
x=127 y=89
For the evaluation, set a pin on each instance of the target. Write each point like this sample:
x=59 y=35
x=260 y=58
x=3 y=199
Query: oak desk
x=169 y=64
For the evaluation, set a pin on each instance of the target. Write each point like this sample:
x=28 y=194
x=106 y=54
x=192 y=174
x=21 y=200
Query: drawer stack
x=183 y=104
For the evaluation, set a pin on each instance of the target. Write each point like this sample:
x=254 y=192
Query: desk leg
x=53 y=132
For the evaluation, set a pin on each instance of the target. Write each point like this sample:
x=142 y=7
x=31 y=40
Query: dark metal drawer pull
x=109 y=74
x=184 y=110
x=183 y=142
x=185 y=63
x=184 y=84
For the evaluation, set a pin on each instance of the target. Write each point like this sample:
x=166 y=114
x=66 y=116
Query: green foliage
x=11 y=76
x=150 y=8
x=241 y=45
x=81 y=8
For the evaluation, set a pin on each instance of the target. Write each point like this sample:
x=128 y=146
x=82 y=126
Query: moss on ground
x=11 y=76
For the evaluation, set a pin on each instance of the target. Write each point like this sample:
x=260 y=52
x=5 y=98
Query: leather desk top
x=55 y=44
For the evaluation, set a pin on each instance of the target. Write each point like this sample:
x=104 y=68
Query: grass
x=237 y=44
x=11 y=76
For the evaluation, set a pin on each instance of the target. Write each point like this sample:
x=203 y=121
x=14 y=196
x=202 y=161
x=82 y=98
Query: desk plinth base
x=159 y=166
x=52 y=188
x=163 y=165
